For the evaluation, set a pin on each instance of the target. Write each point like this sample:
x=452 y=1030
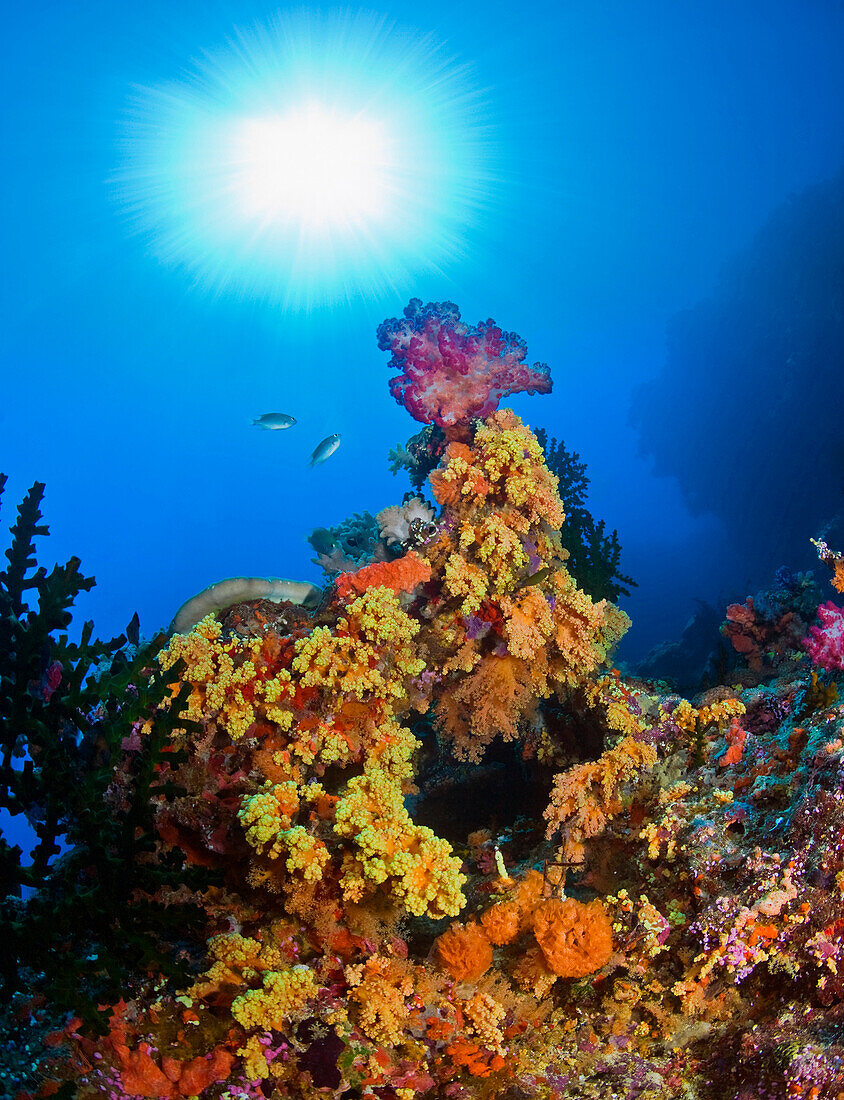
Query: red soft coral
x=825 y=643
x=451 y=372
x=402 y=575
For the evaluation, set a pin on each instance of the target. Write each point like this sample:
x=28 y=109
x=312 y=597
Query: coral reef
x=289 y=916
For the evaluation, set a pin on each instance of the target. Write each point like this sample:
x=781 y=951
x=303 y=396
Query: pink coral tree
x=451 y=372
x=825 y=643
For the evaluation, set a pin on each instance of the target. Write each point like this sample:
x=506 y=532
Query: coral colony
x=234 y=895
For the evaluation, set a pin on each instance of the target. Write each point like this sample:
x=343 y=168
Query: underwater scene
x=448 y=402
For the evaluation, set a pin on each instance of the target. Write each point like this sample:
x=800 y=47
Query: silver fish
x=325 y=449
x=275 y=421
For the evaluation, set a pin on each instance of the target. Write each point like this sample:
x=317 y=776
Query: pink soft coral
x=825 y=643
x=450 y=371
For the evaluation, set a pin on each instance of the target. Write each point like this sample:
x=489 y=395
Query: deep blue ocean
x=650 y=194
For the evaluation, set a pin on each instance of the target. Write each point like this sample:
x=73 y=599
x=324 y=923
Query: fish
x=325 y=449
x=275 y=421
x=535 y=578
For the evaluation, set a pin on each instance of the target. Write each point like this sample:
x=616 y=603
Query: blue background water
x=635 y=147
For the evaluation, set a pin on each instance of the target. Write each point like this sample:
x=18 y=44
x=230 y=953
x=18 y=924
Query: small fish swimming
x=275 y=421
x=535 y=578
x=325 y=449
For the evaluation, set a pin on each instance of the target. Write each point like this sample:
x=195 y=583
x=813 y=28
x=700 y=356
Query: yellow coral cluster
x=498 y=558
x=716 y=713
x=283 y=992
x=584 y=631
x=505 y=466
x=224 y=681
x=236 y=960
x=389 y=848
x=503 y=496
x=342 y=688
x=368 y=653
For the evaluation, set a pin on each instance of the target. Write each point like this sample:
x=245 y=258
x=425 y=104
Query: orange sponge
x=465 y=952
x=501 y=922
x=575 y=938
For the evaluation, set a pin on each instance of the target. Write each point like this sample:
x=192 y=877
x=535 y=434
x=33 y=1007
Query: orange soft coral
x=379 y=988
x=575 y=938
x=464 y=952
x=585 y=796
x=401 y=575
x=487 y=703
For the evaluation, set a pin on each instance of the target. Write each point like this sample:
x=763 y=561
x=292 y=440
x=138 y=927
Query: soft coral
x=451 y=371
x=825 y=643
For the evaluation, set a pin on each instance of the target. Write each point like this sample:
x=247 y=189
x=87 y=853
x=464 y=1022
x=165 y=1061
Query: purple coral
x=451 y=372
x=825 y=643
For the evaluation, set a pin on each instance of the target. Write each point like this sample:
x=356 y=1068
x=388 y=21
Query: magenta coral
x=825 y=643
x=451 y=372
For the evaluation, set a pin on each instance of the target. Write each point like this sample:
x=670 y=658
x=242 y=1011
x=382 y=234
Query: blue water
x=624 y=153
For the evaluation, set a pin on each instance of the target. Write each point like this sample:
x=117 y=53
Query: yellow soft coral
x=380 y=987
x=464 y=579
x=585 y=796
x=528 y=622
x=369 y=652
x=218 y=671
x=505 y=465
x=416 y=865
x=498 y=547
x=584 y=631
x=267 y=814
x=283 y=992
x=305 y=853
x=236 y=959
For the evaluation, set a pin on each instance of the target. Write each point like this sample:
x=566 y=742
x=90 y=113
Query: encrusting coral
x=671 y=925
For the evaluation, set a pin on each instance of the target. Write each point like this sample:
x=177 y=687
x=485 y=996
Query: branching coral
x=587 y=795
x=352 y=543
x=594 y=557
x=73 y=763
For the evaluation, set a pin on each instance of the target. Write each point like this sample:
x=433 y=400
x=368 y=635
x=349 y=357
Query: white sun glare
x=313 y=166
x=310 y=160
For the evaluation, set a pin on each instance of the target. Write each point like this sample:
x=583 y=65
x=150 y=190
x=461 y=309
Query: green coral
x=594 y=556
x=68 y=713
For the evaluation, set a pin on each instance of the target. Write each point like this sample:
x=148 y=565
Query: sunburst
x=310 y=160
